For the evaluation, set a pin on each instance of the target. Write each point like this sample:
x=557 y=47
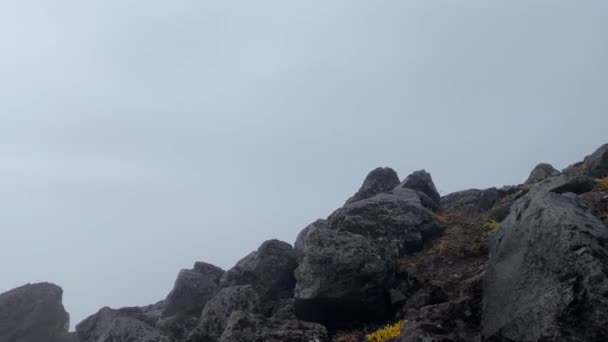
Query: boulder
x=596 y=164
x=397 y=219
x=382 y=179
x=96 y=327
x=541 y=172
x=574 y=184
x=33 y=313
x=341 y=276
x=471 y=202
x=192 y=289
x=131 y=330
x=217 y=311
x=247 y=327
x=547 y=274
x=269 y=270
x=456 y=320
x=423 y=182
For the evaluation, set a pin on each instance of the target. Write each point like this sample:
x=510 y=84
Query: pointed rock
x=423 y=182
x=541 y=172
x=192 y=289
x=33 y=313
x=382 y=179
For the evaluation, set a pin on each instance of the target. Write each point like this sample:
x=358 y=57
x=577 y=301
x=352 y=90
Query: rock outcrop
x=541 y=172
x=382 y=179
x=341 y=276
x=423 y=182
x=547 y=275
x=33 y=313
x=527 y=262
x=192 y=290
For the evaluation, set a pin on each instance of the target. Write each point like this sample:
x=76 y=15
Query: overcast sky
x=137 y=137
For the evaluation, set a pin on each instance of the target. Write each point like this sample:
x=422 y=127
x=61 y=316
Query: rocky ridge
x=527 y=262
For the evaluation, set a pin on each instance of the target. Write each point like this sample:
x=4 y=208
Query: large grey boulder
x=33 y=313
x=397 y=219
x=596 y=164
x=547 y=274
x=217 y=311
x=382 y=179
x=247 y=327
x=341 y=276
x=423 y=182
x=472 y=201
x=269 y=269
x=192 y=290
x=102 y=325
x=125 y=329
x=541 y=172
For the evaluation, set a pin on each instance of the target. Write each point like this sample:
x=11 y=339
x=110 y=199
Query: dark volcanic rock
x=471 y=201
x=454 y=321
x=596 y=164
x=396 y=219
x=342 y=277
x=382 y=179
x=247 y=327
x=547 y=276
x=541 y=172
x=269 y=270
x=125 y=329
x=423 y=182
x=33 y=313
x=192 y=289
x=217 y=311
x=574 y=184
x=97 y=327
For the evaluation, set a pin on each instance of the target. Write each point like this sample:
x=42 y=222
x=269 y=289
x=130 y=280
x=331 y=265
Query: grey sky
x=137 y=137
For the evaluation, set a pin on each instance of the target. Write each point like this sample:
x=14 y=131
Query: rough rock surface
x=269 y=269
x=33 y=313
x=446 y=322
x=541 y=172
x=547 y=276
x=382 y=179
x=341 y=277
x=97 y=327
x=130 y=330
x=423 y=182
x=217 y=311
x=397 y=219
x=247 y=327
x=192 y=289
x=471 y=201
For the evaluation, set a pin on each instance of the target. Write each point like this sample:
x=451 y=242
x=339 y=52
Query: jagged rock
x=269 y=270
x=547 y=275
x=33 y=313
x=423 y=182
x=596 y=164
x=574 y=184
x=471 y=201
x=247 y=327
x=125 y=329
x=341 y=277
x=192 y=289
x=446 y=322
x=397 y=219
x=153 y=312
x=382 y=179
x=217 y=311
x=541 y=172
x=95 y=327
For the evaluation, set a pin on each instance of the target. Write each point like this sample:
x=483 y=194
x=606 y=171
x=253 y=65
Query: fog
x=137 y=137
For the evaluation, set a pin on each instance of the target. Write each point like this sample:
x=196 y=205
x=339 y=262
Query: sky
x=137 y=137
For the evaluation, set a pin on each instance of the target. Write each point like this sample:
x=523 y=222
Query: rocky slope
x=519 y=263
